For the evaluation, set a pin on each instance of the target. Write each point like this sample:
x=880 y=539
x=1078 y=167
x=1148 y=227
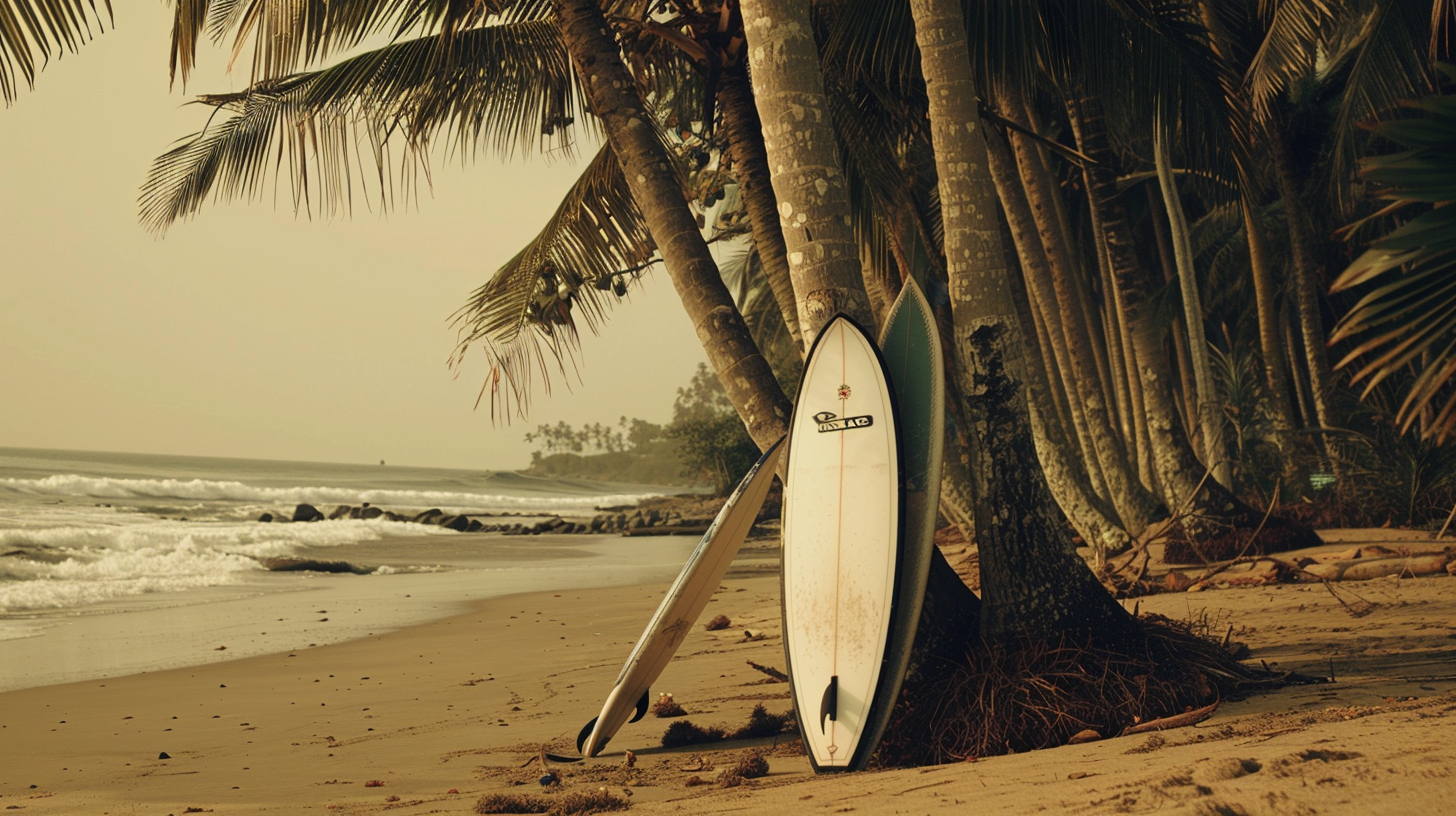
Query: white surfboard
x=842 y=499
x=682 y=605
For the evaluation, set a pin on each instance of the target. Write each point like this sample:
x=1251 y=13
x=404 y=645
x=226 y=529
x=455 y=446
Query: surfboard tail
x=585 y=735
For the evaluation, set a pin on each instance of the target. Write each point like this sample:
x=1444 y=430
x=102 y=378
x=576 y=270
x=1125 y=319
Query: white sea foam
x=209 y=490
x=65 y=567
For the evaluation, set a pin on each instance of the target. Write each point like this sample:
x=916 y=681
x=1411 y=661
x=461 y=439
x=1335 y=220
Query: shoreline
x=272 y=612
x=465 y=702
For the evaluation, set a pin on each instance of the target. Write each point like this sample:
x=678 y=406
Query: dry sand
x=464 y=704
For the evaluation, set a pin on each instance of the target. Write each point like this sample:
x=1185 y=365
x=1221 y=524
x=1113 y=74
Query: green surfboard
x=910 y=344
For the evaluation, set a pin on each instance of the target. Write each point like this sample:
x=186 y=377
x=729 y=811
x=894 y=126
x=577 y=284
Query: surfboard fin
x=829 y=706
x=585 y=734
x=641 y=707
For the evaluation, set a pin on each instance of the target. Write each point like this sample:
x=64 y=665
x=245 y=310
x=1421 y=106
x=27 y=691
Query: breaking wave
x=207 y=490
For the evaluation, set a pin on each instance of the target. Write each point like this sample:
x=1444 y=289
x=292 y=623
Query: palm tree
x=483 y=74
x=804 y=168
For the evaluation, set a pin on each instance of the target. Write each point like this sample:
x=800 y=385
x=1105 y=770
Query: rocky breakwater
x=665 y=515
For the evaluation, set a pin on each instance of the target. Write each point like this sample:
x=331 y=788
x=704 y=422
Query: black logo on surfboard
x=828 y=422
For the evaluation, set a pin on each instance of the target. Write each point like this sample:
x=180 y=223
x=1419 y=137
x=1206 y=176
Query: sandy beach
x=429 y=718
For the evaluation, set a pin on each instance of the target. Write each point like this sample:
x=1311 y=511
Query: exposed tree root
x=1012 y=696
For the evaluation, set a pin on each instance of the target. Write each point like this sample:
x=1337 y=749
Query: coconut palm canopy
x=33 y=32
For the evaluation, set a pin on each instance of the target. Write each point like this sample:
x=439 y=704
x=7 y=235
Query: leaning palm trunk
x=1308 y=281
x=1209 y=422
x=1161 y=227
x=1180 y=475
x=750 y=166
x=612 y=93
x=1270 y=344
x=808 y=183
x=1031 y=581
x=1029 y=211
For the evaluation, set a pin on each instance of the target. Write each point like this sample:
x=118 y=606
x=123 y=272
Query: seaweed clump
x=760 y=724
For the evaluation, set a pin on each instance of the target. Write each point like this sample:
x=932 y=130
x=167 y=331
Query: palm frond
x=289 y=35
x=502 y=87
x=526 y=316
x=1294 y=29
x=1408 y=321
x=33 y=31
x=1382 y=66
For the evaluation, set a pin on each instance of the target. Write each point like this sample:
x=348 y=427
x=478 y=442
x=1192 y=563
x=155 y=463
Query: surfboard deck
x=842 y=524
x=681 y=606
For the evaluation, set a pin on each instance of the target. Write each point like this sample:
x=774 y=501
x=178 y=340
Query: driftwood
x=1187 y=718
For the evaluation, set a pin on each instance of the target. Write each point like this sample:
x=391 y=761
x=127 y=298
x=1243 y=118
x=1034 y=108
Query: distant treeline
x=704 y=444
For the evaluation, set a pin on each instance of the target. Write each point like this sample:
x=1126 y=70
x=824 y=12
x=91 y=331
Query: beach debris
x=1187 y=718
x=630 y=761
x=667 y=707
x=549 y=779
x=753 y=634
x=374 y=783
x=1085 y=735
x=511 y=803
x=164 y=755
x=760 y=724
x=777 y=675
x=752 y=766
x=718 y=622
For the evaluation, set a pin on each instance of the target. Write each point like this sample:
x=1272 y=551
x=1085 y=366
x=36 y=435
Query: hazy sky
x=249 y=332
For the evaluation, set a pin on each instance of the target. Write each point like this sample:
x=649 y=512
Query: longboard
x=910 y=344
x=684 y=602
x=842 y=499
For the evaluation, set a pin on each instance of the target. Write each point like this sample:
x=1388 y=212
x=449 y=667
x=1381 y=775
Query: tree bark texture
x=1032 y=582
x=1210 y=420
x=1157 y=213
x=1178 y=471
x=1271 y=349
x=1308 y=280
x=750 y=167
x=612 y=94
x=808 y=183
x=1028 y=212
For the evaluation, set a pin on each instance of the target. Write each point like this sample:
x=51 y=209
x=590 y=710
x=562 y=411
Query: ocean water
x=93 y=542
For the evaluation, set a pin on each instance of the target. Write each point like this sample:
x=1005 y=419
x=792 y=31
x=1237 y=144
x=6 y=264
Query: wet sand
x=465 y=704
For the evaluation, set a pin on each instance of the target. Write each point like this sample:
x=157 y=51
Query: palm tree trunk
x=1308 y=279
x=1272 y=353
x=1209 y=421
x=750 y=165
x=1028 y=211
x=1060 y=407
x=1178 y=471
x=612 y=94
x=1031 y=582
x=808 y=183
x=1158 y=214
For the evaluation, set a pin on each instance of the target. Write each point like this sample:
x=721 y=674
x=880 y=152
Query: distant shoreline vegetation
x=705 y=444
x=634 y=451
